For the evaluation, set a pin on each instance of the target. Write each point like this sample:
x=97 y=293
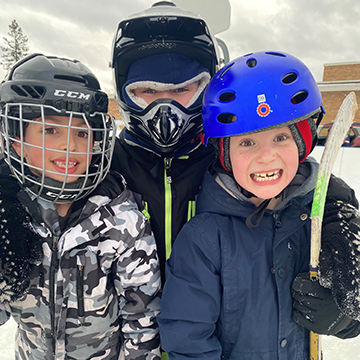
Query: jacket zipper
x=168 y=205
x=53 y=270
x=41 y=277
x=80 y=292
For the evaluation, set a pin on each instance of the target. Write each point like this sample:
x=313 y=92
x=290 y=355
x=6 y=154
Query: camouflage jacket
x=96 y=293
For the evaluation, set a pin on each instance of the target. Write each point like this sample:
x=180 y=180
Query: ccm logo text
x=72 y=94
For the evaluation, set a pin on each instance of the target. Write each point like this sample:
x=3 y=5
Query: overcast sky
x=316 y=31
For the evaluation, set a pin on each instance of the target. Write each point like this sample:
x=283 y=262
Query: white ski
x=339 y=129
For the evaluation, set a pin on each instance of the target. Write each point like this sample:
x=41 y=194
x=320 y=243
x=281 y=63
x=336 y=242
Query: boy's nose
x=266 y=153
x=68 y=141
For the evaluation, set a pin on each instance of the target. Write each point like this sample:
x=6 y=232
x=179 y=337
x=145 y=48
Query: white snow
x=346 y=167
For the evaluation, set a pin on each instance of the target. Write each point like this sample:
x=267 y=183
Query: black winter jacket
x=167 y=187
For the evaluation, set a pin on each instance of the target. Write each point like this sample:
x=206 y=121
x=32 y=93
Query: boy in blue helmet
x=79 y=272
x=238 y=285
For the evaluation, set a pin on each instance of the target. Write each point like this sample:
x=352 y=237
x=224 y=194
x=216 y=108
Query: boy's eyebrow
x=75 y=121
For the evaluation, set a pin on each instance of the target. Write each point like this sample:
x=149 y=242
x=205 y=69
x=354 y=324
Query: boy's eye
x=247 y=143
x=280 y=138
x=83 y=134
x=50 y=131
x=180 y=90
x=149 y=91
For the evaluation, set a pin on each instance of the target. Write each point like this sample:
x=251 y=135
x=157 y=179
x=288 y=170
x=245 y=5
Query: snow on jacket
x=227 y=291
x=168 y=187
x=95 y=295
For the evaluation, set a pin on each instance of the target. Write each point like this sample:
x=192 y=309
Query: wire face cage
x=59 y=156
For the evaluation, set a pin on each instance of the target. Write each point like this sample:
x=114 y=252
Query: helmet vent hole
x=275 y=54
x=226 y=118
x=299 y=97
x=289 y=78
x=251 y=63
x=69 y=78
x=35 y=92
x=19 y=90
x=40 y=90
x=227 y=96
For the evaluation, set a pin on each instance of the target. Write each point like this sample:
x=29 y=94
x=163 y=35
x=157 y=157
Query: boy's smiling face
x=57 y=136
x=264 y=163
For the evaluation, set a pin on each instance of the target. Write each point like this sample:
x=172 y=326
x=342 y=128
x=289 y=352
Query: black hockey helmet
x=38 y=86
x=65 y=85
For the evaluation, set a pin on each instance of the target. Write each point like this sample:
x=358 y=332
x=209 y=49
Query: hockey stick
x=339 y=129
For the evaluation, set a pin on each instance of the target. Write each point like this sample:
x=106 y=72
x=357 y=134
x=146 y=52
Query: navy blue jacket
x=227 y=293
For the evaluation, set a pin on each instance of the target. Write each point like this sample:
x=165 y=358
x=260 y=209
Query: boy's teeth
x=63 y=165
x=267 y=176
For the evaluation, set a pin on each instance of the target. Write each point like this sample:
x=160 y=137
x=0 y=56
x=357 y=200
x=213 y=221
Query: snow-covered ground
x=346 y=167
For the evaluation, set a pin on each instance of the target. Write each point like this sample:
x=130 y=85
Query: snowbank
x=346 y=165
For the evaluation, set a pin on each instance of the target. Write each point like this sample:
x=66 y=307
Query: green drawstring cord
x=145 y=211
x=191 y=209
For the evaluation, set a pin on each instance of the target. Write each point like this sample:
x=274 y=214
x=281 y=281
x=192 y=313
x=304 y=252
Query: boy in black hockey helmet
x=73 y=273
x=162 y=60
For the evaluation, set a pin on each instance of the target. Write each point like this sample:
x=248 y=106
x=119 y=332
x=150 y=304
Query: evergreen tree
x=16 y=46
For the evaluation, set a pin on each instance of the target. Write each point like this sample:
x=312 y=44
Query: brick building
x=339 y=79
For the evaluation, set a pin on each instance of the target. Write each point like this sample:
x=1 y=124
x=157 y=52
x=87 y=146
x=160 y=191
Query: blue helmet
x=261 y=91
